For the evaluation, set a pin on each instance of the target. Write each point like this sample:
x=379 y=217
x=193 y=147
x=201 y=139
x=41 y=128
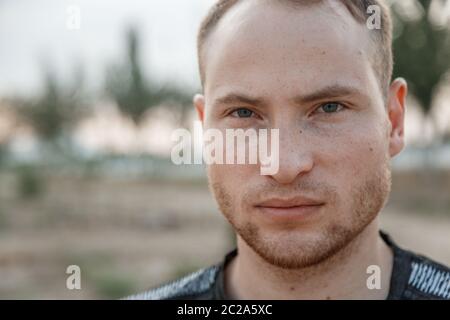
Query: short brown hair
x=382 y=61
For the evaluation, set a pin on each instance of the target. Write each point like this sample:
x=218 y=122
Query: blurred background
x=90 y=92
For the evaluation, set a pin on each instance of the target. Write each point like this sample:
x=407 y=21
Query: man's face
x=308 y=74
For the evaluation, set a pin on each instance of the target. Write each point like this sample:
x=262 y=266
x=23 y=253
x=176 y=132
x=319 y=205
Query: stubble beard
x=290 y=248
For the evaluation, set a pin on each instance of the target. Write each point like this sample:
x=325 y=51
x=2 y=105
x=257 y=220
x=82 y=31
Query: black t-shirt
x=413 y=277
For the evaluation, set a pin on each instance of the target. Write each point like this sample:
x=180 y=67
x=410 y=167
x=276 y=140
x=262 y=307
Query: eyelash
x=342 y=107
x=241 y=108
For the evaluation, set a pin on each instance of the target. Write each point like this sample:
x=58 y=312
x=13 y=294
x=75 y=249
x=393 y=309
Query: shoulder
x=415 y=276
x=196 y=285
x=427 y=279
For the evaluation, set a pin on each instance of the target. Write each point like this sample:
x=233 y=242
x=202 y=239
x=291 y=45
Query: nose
x=295 y=157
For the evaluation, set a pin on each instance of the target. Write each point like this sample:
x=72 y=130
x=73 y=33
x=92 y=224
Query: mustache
x=307 y=188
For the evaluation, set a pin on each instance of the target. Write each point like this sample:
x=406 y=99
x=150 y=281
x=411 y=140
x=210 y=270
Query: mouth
x=290 y=208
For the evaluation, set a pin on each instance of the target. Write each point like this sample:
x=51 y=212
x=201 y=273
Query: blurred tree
x=30 y=183
x=421 y=54
x=133 y=93
x=51 y=115
x=8 y=124
x=54 y=113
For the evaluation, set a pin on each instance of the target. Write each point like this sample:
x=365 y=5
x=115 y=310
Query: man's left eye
x=242 y=113
x=330 y=107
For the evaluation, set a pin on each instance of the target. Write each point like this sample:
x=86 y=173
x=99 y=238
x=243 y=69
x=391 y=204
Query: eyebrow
x=238 y=98
x=328 y=92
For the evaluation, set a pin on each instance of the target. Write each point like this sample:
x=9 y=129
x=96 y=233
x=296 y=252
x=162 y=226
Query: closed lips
x=289 y=203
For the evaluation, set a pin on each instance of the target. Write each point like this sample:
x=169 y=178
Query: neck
x=342 y=276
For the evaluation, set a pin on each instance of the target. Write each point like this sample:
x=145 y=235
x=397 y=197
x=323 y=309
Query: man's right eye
x=242 y=113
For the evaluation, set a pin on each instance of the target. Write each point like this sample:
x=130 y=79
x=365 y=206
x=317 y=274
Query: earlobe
x=199 y=103
x=396 y=113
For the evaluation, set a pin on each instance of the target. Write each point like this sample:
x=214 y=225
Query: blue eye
x=331 y=107
x=243 y=113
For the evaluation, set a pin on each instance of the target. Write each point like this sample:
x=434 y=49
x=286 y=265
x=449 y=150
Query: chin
x=292 y=248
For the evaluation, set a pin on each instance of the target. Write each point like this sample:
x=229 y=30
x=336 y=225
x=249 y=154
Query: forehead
x=263 y=45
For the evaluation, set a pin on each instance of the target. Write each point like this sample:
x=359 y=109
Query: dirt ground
x=129 y=235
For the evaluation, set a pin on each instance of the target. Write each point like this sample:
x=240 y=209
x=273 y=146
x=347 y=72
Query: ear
x=396 y=108
x=199 y=103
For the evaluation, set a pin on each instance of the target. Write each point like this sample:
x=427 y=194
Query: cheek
x=231 y=177
x=350 y=155
x=229 y=184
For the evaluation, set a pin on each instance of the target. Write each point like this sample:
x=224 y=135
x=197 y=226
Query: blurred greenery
x=133 y=92
x=99 y=274
x=421 y=54
x=58 y=108
x=4 y=222
x=114 y=285
x=30 y=183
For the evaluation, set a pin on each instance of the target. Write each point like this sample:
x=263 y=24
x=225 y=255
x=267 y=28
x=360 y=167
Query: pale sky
x=35 y=30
